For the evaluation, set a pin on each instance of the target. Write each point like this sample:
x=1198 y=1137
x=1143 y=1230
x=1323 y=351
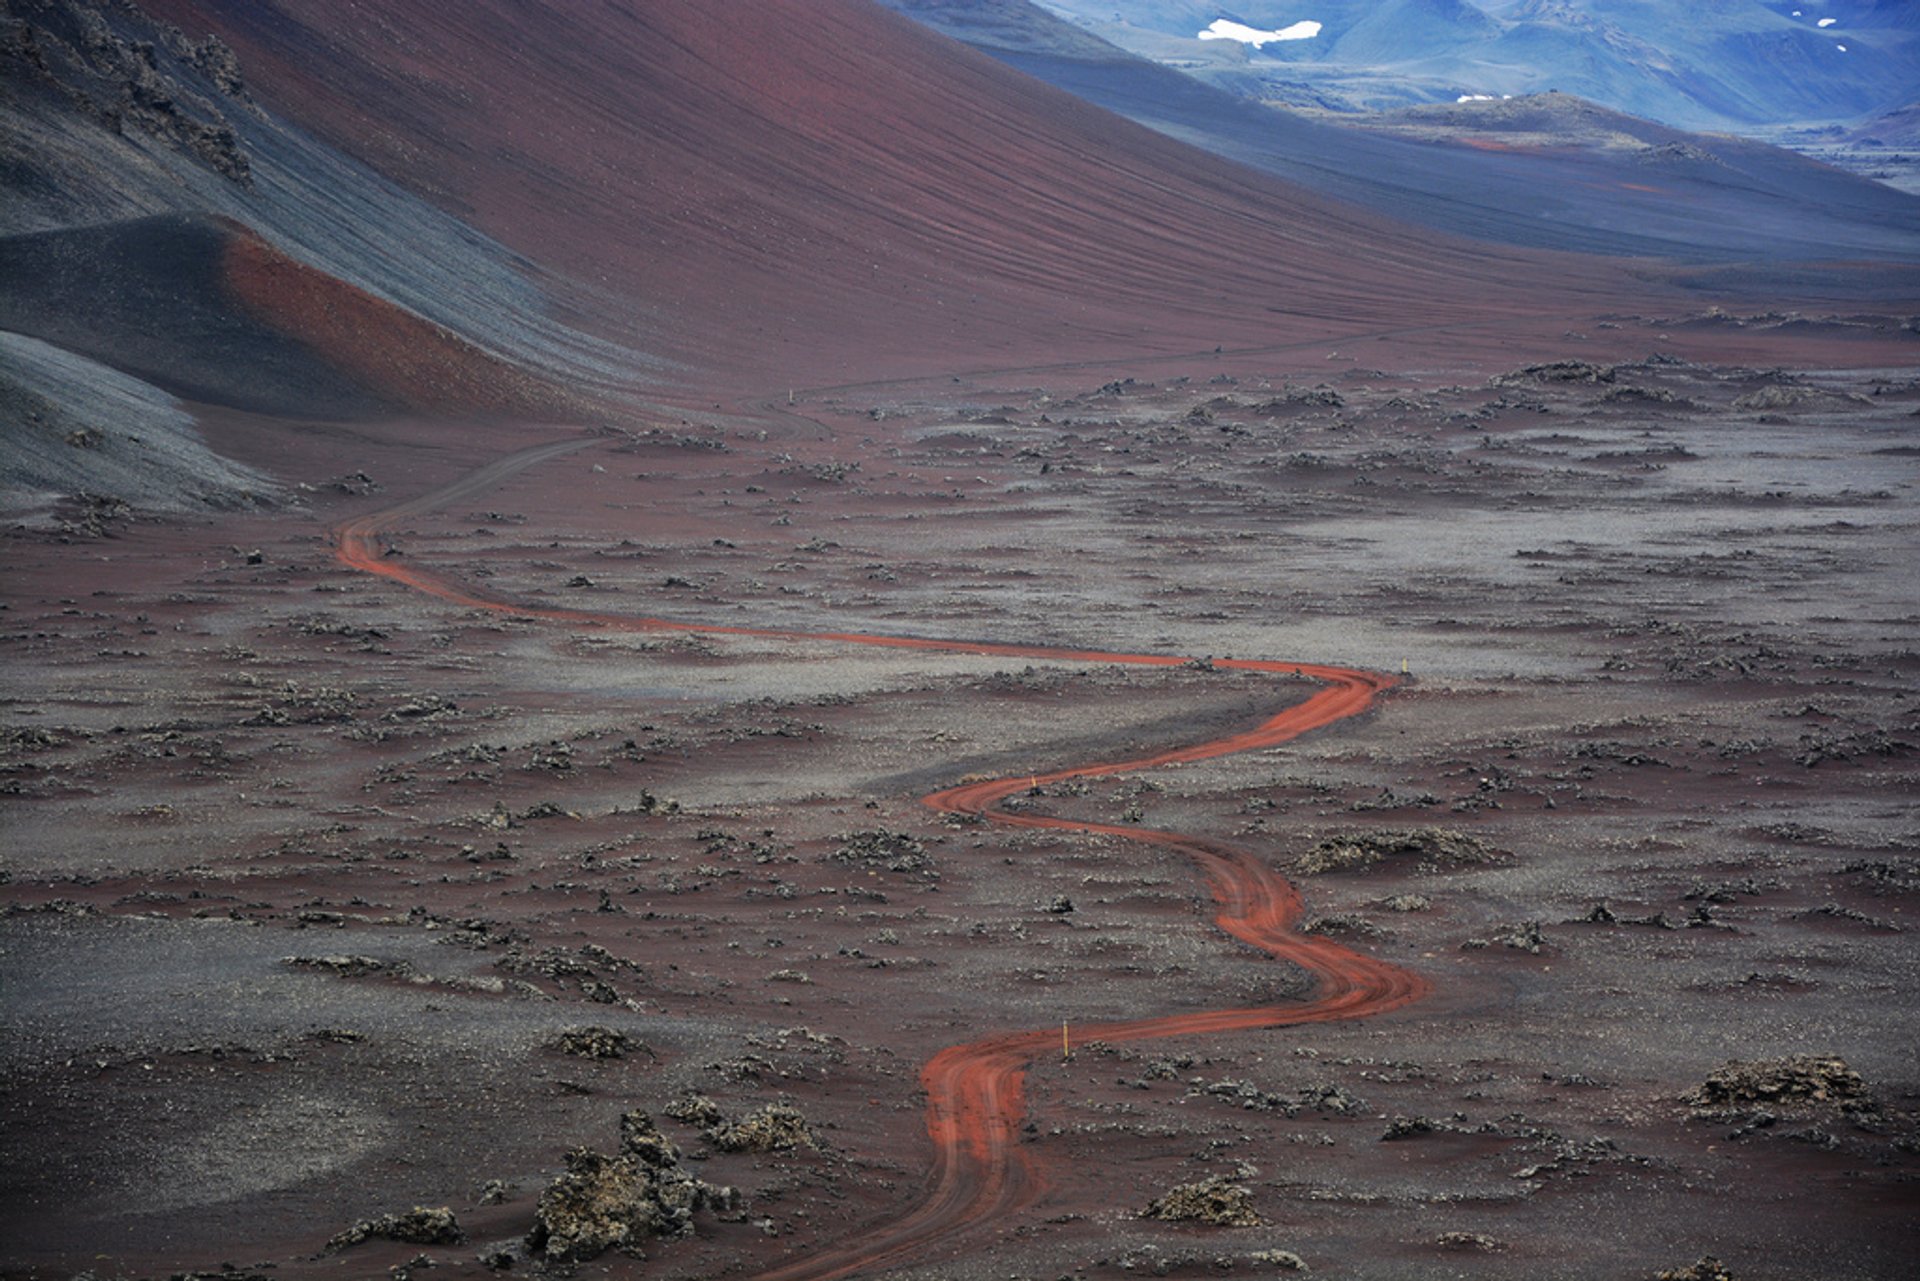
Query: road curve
x=976 y=1092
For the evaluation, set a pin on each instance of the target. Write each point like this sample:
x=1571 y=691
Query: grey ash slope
x=132 y=154
x=72 y=429
x=1585 y=178
x=113 y=116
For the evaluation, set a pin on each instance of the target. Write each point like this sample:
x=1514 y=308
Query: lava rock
x=1212 y=1200
x=419 y=1226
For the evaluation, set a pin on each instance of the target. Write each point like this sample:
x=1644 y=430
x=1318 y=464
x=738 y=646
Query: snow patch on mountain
x=1226 y=29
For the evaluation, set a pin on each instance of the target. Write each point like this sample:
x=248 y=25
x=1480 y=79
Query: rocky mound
x=422 y=1225
x=886 y=851
x=1797 y=1078
x=596 y=1042
x=1435 y=850
x=777 y=1127
x=773 y=1128
x=605 y=1202
x=1212 y=1200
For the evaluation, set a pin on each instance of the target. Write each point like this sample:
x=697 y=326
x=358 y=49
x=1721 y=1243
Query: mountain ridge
x=1734 y=65
x=1685 y=197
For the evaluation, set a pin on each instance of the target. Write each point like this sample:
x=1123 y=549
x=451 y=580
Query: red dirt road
x=976 y=1091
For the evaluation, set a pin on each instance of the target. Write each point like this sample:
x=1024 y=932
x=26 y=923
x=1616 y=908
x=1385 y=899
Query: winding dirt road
x=976 y=1100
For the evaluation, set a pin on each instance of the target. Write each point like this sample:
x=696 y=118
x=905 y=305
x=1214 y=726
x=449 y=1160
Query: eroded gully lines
x=976 y=1091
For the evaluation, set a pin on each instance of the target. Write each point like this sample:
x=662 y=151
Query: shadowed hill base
x=206 y=309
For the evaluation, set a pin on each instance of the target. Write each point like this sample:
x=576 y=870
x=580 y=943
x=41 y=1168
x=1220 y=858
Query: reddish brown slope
x=403 y=358
x=825 y=190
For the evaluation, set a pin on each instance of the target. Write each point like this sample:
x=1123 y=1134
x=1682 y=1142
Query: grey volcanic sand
x=1658 y=632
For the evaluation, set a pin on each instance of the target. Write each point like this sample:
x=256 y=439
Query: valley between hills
x=752 y=659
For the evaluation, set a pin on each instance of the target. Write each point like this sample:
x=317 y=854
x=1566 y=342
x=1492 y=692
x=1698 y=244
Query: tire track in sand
x=976 y=1092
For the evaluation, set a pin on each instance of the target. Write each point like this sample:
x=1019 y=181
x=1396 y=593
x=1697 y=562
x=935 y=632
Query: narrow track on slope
x=976 y=1092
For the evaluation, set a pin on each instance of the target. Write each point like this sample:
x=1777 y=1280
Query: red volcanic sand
x=403 y=358
x=976 y=1092
x=811 y=192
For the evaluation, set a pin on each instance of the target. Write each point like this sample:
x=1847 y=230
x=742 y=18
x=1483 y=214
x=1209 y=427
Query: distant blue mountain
x=1548 y=170
x=1695 y=65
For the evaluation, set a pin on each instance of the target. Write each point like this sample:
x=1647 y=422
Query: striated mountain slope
x=611 y=198
x=826 y=191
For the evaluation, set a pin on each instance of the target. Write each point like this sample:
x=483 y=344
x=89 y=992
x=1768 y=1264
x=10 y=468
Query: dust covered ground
x=327 y=899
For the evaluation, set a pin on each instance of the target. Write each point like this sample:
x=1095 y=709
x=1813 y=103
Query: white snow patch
x=1828 y=22
x=1474 y=97
x=1223 y=29
x=1842 y=48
